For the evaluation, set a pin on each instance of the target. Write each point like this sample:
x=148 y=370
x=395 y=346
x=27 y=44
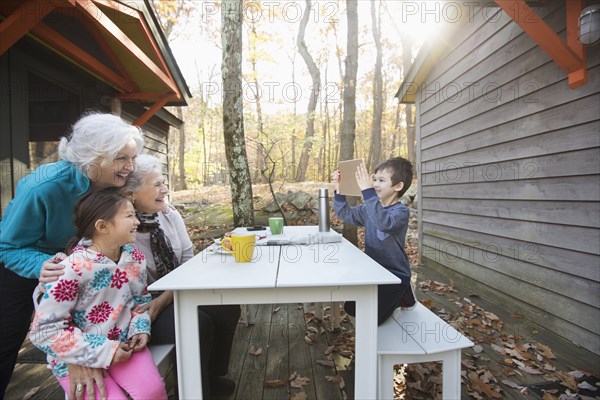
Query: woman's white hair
x=98 y=136
x=146 y=163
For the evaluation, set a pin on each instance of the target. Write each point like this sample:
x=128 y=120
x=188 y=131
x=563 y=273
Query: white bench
x=163 y=356
x=419 y=336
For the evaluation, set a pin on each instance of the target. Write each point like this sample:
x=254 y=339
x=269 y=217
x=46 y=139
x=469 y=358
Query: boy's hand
x=364 y=180
x=138 y=342
x=335 y=177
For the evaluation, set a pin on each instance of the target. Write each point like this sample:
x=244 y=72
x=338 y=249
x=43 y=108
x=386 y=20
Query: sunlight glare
x=423 y=19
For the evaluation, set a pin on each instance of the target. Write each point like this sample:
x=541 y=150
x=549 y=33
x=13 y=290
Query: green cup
x=276 y=225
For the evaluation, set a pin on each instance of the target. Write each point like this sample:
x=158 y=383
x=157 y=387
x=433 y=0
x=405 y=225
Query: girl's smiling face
x=151 y=196
x=382 y=183
x=123 y=226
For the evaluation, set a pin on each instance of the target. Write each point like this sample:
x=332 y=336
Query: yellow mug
x=241 y=246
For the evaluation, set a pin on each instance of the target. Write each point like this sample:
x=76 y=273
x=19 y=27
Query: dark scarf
x=162 y=251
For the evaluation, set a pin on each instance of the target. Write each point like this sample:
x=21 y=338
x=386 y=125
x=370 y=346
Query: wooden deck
x=275 y=349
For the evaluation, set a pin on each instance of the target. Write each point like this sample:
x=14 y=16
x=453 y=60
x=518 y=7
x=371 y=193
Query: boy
x=385 y=220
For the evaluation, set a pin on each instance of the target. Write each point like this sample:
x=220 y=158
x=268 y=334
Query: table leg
x=187 y=346
x=365 y=365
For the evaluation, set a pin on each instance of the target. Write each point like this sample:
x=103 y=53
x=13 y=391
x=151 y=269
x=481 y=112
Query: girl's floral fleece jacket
x=84 y=316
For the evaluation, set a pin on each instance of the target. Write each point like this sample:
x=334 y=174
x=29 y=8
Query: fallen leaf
x=300 y=396
x=336 y=379
x=427 y=303
x=549 y=367
x=511 y=384
x=326 y=363
x=517 y=315
x=546 y=351
x=491 y=316
x=482 y=387
x=329 y=350
x=477 y=348
x=277 y=309
x=567 y=380
x=254 y=351
x=530 y=370
x=586 y=386
x=577 y=374
x=515 y=353
x=311 y=338
x=299 y=381
x=274 y=384
x=548 y=396
x=498 y=349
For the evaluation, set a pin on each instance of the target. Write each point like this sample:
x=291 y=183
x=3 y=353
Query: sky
x=196 y=47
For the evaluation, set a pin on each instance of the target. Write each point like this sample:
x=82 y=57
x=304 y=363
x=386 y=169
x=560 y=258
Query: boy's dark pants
x=389 y=297
x=16 y=309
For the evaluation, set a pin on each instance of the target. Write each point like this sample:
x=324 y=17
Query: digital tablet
x=348 y=183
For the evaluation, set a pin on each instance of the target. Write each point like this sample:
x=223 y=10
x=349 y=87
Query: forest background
x=289 y=138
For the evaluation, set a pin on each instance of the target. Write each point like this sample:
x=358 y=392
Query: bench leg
x=451 y=375
x=385 y=377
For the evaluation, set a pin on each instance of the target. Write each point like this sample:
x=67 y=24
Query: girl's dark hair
x=90 y=208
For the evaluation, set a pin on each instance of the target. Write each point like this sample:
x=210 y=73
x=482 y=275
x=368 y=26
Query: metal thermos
x=323 y=210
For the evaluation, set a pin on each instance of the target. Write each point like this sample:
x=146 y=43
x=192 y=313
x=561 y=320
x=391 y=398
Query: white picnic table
x=278 y=274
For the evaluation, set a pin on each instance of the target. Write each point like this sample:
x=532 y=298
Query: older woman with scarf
x=164 y=240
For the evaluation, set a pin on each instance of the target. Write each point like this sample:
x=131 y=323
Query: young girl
x=90 y=316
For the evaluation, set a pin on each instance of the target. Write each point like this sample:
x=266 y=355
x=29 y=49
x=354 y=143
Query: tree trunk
x=314 y=95
x=348 y=129
x=233 y=117
x=181 y=182
x=260 y=134
x=410 y=126
x=375 y=153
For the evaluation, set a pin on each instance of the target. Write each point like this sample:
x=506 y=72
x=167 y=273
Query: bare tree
x=181 y=182
x=410 y=126
x=233 y=117
x=375 y=153
x=173 y=13
x=314 y=95
x=348 y=129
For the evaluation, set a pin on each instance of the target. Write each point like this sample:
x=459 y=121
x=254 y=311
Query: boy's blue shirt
x=38 y=222
x=385 y=230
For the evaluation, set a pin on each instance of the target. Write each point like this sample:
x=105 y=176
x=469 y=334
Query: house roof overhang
x=119 y=43
x=570 y=56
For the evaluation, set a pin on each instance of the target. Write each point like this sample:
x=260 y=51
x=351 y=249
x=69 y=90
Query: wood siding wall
x=509 y=161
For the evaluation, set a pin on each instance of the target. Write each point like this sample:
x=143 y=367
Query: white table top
x=331 y=264
x=220 y=271
x=328 y=264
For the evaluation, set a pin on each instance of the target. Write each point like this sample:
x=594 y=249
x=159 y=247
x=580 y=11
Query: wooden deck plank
x=250 y=384
x=299 y=352
x=323 y=388
x=277 y=353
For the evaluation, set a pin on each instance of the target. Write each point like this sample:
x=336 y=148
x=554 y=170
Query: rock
x=271 y=207
x=300 y=199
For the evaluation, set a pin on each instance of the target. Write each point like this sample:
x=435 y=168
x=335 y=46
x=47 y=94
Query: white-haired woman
x=164 y=240
x=99 y=152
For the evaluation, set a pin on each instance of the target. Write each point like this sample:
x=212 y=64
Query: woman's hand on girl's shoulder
x=51 y=269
